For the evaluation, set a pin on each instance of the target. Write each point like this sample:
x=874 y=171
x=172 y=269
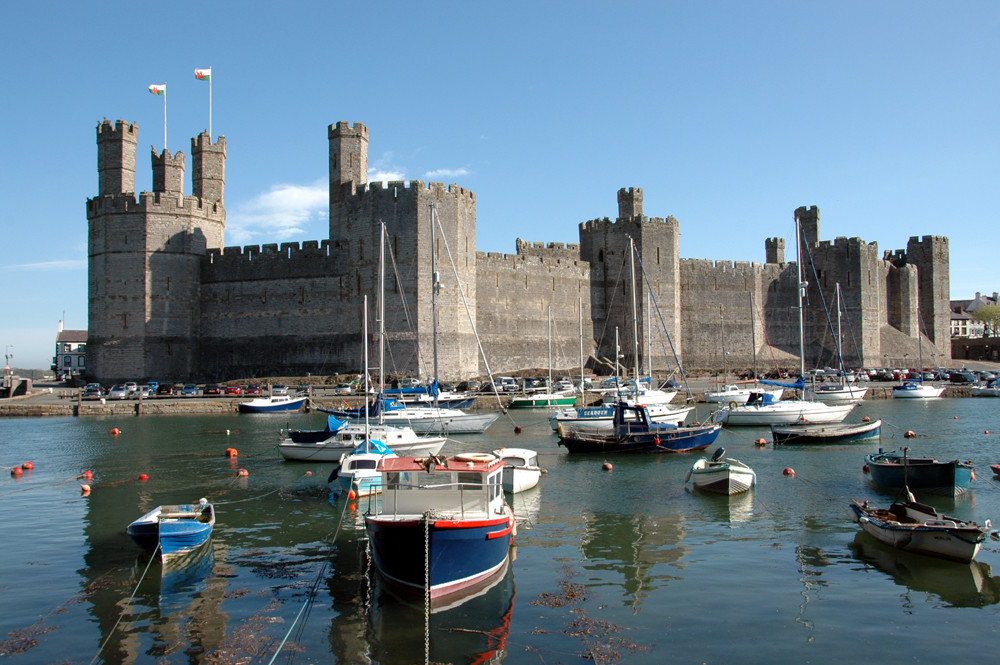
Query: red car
x=252 y=390
x=234 y=390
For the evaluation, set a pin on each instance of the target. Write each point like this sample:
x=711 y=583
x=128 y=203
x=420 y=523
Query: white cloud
x=68 y=264
x=283 y=213
x=375 y=175
x=445 y=173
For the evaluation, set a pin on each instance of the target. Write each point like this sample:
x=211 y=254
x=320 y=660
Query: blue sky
x=729 y=115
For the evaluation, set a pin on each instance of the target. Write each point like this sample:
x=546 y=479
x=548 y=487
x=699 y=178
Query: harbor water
x=625 y=565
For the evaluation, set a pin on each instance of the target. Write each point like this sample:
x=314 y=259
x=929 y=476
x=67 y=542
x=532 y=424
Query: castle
x=168 y=299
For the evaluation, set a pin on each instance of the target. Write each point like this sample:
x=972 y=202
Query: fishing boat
x=897 y=470
x=988 y=389
x=762 y=410
x=721 y=474
x=443 y=524
x=916 y=527
x=601 y=417
x=174 y=530
x=521 y=471
x=357 y=474
x=273 y=404
x=634 y=432
x=833 y=433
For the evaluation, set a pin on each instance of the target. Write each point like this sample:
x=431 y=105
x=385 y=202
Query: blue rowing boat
x=174 y=530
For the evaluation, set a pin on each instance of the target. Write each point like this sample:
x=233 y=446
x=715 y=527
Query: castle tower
x=116 y=157
x=208 y=168
x=809 y=221
x=168 y=172
x=774 y=250
x=629 y=203
x=144 y=262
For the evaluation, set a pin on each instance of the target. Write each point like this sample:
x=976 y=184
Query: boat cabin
x=461 y=486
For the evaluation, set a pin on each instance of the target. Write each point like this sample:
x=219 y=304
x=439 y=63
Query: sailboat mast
x=801 y=292
x=550 y=348
x=753 y=336
x=364 y=335
x=435 y=285
x=725 y=355
x=635 y=315
x=380 y=316
x=579 y=307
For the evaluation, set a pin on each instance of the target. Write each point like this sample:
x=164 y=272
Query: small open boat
x=358 y=473
x=521 y=471
x=721 y=474
x=926 y=474
x=826 y=434
x=273 y=404
x=174 y=530
x=916 y=527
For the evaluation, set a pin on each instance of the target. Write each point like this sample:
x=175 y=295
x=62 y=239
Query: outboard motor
x=718 y=454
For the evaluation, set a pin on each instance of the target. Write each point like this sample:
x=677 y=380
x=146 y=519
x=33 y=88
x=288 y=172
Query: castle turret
x=809 y=221
x=629 y=203
x=208 y=168
x=348 y=157
x=774 y=250
x=168 y=172
x=116 y=157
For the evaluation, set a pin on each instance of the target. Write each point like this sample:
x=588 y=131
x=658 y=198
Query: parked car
x=131 y=387
x=303 y=389
x=233 y=390
x=212 y=389
x=962 y=377
x=279 y=389
x=153 y=385
x=118 y=392
x=143 y=392
x=469 y=386
x=92 y=391
x=343 y=389
x=252 y=389
x=165 y=389
x=189 y=390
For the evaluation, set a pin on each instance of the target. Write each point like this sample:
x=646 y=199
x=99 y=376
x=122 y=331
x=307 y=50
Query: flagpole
x=164 y=117
x=209 y=108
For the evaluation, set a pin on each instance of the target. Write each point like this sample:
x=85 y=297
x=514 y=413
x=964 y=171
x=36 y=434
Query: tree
x=990 y=316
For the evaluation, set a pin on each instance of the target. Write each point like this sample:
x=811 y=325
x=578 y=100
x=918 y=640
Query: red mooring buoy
x=909 y=434
x=607 y=466
x=87 y=475
x=789 y=471
x=242 y=473
x=143 y=477
x=517 y=429
x=28 y=466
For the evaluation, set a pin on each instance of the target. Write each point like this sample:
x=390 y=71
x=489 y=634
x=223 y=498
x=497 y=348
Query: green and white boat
x=539 y=400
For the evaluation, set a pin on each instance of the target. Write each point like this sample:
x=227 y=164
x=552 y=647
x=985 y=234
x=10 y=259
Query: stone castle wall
x=168 y=300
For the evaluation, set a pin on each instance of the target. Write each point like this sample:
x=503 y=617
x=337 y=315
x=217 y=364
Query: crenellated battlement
x=558 y=250
x=607 y=225
x=520 y=262
x=721 y=266
x=401 y=188
x=154 y=202
x=118 y=130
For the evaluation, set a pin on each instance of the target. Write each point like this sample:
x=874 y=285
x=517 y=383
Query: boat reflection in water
x=957 y=584
x=184 y=576
x=471 y=629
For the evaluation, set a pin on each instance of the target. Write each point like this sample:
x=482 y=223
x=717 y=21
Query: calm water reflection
x=630 y=564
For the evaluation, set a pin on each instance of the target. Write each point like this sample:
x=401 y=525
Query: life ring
x=475 y=457
x=733 y=405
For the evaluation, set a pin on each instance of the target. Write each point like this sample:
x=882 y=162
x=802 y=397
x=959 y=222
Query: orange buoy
x=607 y=466
x=28 y=466
x=231 y=452
x=16 y=471
x=517 y=429
x=909 y=434
x=85 y=489
x=143 y=477
x=309 y=473
x=351 y=495
x=789 y=471
x=972 y=475
x=866 y=419
x=242 y=473
x=115 y=431
x=87 y=475
x=761 y=442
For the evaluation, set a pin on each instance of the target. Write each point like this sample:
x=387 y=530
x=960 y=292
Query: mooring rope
x=127 y=604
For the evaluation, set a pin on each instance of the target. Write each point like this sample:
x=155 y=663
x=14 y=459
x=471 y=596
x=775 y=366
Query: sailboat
x=841 y=391
x=357 y=473
x=762 y=409
x=916 y=388
x=433 y=418
x=547 y=398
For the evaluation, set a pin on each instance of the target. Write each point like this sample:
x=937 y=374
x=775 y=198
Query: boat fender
x=474 y=457
x=866 y=419
x=559 y=430
x=733 y=405
x=972 y=475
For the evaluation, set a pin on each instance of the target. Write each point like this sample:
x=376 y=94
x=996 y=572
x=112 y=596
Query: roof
x=72 y=336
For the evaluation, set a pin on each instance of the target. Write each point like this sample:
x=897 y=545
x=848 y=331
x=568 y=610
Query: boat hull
x=328 y=446
x=462 y=553
x=916 y=391
x=723 y=478
x=266 y=405
x=676 y=441
x=429 y=421
x=944 y=538
x=921 y=474
x=783 y=413
x=541 y=401
x=164 y=530
x=833 y=433
x=601 y=418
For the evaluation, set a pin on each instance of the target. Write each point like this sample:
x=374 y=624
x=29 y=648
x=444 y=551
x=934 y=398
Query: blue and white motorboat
x=443 y=524
x=174 y=530
x=273 y=404
x=339 y=437
x=601 y=417
x=357 y=474
x=913 y=389
x=635 y=432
